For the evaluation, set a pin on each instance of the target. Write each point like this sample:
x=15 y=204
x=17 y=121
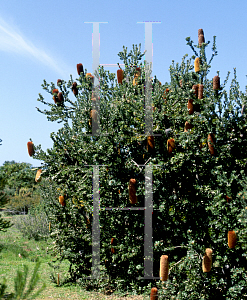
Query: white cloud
x=11 y=40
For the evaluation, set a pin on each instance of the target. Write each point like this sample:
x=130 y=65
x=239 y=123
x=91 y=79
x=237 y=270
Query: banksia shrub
x=120 y=76
x=197 y=65
x=61 y=200
x=132 y=191
x=211 y=142
x=200 y=91
x=190 y=106
x=30 y=148
x=154 y=294
x=38 y=175
x=80 y=69
x=164 y=267
x=207 y=260
x=74 y=88
x=216 y=83
x=170 y=145
x=232 y=239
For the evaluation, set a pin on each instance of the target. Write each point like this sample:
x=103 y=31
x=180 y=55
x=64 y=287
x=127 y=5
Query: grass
x=17 y=251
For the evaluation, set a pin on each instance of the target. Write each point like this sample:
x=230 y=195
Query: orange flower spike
x=80 y=69
x=132 y=191
x=120 y=75
x=30 y=148
x=232 y=239
x=154 y=294
x=190 y=106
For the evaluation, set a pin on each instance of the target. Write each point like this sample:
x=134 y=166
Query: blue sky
x=47 y=39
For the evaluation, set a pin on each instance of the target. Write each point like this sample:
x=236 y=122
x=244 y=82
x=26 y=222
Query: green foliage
x=21 y=292
x=190 y=185
x=35 y=224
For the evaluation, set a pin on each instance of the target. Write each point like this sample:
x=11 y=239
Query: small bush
x=35 y=224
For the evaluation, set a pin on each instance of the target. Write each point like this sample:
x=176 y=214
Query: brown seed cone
x=216 y=83
x=164 y=267
x=190 y=106
x=154 y=294
x=170 y=145
x=93 y=115
x=181 y=83
x=197 y=64
x=211 y=142
x=201 y=40
x=75 y=91
x=138 y=72
x=187 y=126
x=200 y=91
x=120 y=76
x=150 y=143
x=79 y=69
x=61 y=200
x=30 y=148
x=113 y=243
x=195 y=88
x=232 y=239
x=228 y=199
x=207 y=260
x=38 y=177
x=60 y=97
x=132 y=191
x=200 y=31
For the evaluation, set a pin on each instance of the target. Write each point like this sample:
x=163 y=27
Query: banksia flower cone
x=59 y=81
x=232 y=238
x=197 y=64
x=120 y=76
x=187 y=126
x=90 y=77
x=211 y=142
x=55 y=93
x=74 y=88
x=200 y=31
x=113 y=251
x=200 y=91
x=170 y=145
x=30 y=148
x=132 y=191
x=195 y=88
x=93 y=115
x=190 y=106
x=38 y=175
x=164 y=267
x=154 y=294
x=60 y=97
x=200 y=37
x=80 y=69
x=207 y=260
x=61 y=200
x=150 y=143
x=216 y=83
